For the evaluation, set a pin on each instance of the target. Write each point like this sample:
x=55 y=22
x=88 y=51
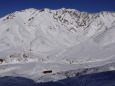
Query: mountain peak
x=57 y=37
x=30 y=9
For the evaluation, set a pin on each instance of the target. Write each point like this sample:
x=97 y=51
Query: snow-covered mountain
x=57 y=40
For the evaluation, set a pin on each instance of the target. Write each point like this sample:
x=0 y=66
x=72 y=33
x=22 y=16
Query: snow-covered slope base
x=34 y=43
x=96 y=79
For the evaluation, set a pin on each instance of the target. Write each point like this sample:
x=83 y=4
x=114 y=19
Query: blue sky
x=92 y=6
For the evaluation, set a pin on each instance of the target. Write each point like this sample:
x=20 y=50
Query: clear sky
x=92 y=6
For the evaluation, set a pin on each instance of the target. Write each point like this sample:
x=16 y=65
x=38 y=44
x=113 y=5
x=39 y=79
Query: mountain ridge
x=54 y=28
x=58 y=40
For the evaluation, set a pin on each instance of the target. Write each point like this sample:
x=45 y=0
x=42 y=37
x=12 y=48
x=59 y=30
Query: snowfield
x=65 y=42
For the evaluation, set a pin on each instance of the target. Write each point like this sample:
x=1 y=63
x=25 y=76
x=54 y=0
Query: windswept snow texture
x=33 y=41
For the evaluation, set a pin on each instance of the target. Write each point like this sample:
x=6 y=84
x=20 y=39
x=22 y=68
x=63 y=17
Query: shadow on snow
x=96 y=79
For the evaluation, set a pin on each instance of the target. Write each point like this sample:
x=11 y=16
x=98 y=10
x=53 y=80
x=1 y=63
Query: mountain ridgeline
x=53 y=32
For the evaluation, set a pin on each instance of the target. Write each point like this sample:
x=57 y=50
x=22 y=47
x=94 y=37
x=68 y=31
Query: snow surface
x=96 y=79
x=33 y=41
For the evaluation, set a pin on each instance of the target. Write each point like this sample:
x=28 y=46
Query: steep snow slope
x=57 y=40
x=48 y=30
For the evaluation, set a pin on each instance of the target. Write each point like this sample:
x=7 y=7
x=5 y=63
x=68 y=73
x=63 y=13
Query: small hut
x=47 y=72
